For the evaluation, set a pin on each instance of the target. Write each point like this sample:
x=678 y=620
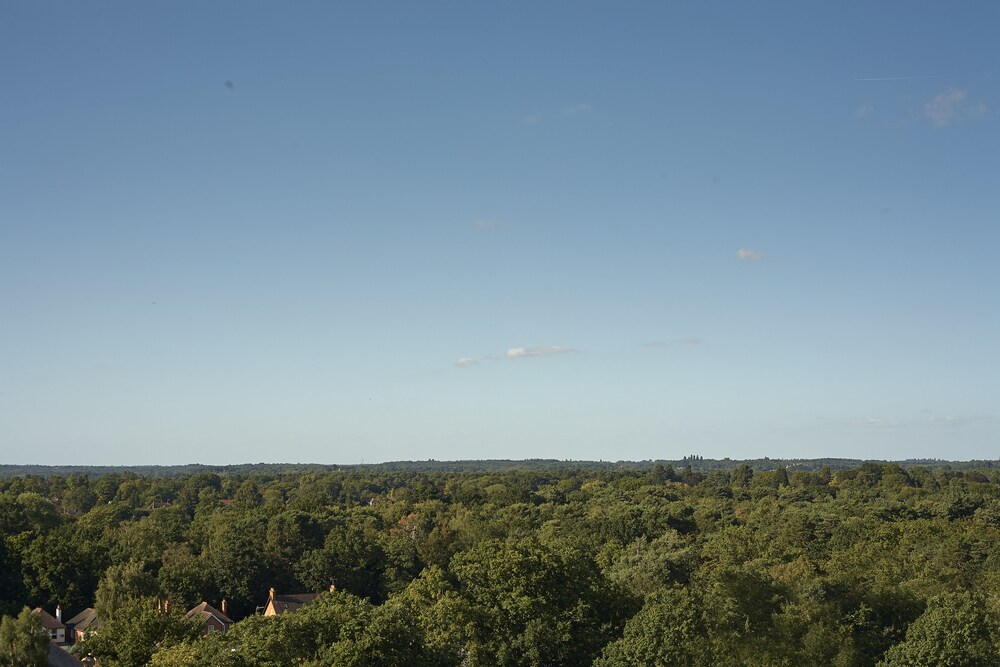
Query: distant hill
x=488 y=465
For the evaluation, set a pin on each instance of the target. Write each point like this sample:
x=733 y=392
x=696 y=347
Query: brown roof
x=204 y=611
x=291 y=601
x=84 y=620
x=61 y=658
x=49 y=621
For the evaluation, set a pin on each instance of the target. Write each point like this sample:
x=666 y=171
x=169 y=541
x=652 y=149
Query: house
x=279 y=604
x=82 y=624
x=212 y=620
x=52 y=624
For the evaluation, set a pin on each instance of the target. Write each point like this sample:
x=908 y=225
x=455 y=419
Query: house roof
x=85 y=620
x=204 y=611
x=61 y=658
x=290 y=601
x=49 y=622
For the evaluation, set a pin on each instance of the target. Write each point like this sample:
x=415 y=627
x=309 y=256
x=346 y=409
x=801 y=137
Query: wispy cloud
x=749 y=255
x=490 y=225
x=673 y=342
x=927 y=420
x=952 y=106
x=544 y=351
x=465 y=362
x=578 y=109
x=864 y=111
x=955 y=420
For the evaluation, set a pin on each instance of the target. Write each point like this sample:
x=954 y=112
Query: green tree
x=23 y=641
x=137 y=629
x=390 y=637
x=39 y=511
x=213 y=650
x=956 y=630
x=120 y=584
x=669 y=631
x=57 y=570
x=534 y=604
x=183 y=578
x=350 y=558
x=235 y=558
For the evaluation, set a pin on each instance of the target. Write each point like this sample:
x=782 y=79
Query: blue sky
x=343 y=232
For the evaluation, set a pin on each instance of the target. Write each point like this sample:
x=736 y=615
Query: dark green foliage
x=957 y=630
x=23 y=641
x=670 y=630
x=120 y=585
x=138 y=628
x=533 y=604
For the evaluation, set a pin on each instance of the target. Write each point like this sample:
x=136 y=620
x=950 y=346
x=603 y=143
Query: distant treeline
x=696 y=463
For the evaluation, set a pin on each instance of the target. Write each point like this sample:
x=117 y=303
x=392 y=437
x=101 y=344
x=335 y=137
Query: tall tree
x=120 y=584
x=23 y=641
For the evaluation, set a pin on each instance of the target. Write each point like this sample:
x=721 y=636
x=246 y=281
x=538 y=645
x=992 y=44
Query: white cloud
x=465 y=362
x=748 y=254
x=954 y=420
x=544 y=351
x=863 y=111
x=490 y=225
x=952 y=106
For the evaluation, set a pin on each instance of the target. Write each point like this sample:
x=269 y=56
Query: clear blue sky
x=335 y=232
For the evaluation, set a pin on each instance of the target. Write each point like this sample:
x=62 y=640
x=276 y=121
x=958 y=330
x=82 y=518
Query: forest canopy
x=687 y=563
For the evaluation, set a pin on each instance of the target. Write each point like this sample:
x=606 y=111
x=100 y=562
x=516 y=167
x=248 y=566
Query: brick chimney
x=224 y=605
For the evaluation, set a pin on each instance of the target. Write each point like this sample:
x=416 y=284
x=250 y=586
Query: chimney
x=333 y=587
x=59 y=613
x=272 y=593
x=224 y=605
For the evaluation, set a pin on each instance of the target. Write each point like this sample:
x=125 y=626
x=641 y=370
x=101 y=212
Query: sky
x=372 y=231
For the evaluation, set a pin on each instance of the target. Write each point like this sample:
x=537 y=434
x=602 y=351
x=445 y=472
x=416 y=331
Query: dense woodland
x=879 y=564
